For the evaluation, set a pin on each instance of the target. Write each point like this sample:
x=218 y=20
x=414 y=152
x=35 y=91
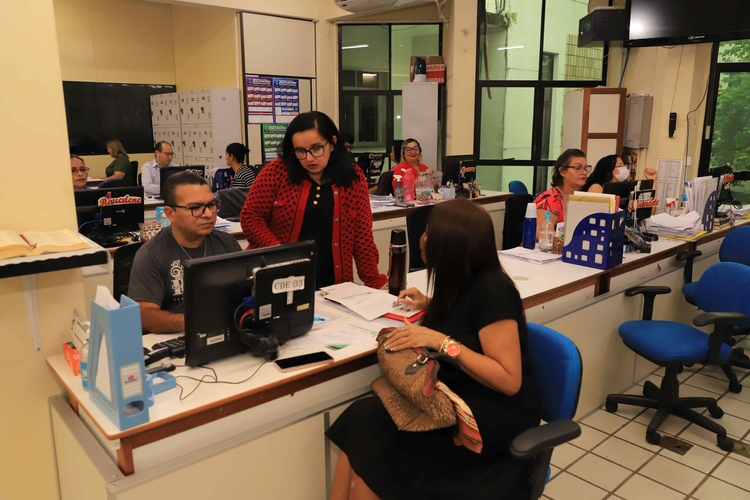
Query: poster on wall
x=271 y=135
x=259 y=95
x=286 y=99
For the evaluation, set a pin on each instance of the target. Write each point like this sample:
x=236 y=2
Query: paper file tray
x=117 y=374
x=597 y=241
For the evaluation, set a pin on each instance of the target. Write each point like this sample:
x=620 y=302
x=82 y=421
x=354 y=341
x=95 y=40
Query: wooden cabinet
x=594 y=122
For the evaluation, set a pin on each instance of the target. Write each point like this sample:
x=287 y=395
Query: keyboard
x=176 y=347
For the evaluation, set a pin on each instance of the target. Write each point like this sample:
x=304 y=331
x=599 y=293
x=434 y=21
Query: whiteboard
x=278 y=46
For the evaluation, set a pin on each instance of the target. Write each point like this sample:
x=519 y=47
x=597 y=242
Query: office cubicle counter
x=245 y=434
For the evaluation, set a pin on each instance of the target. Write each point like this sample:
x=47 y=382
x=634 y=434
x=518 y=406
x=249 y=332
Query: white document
x=580 y=206
x=102 y=368
x=346 y=334
x=105 y=299
x=535 y=256
x=326 y=316
x=367 y=302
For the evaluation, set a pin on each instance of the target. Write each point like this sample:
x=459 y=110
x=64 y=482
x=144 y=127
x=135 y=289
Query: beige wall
x=460 y=51
x=677 y=84
x=33 y=119
x=122 y=41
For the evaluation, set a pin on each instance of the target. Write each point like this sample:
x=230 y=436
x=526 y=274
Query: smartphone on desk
x=303 y=361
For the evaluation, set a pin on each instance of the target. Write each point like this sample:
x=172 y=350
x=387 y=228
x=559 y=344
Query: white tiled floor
x=612 y=460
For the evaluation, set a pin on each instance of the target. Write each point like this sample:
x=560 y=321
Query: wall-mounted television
x=679 y=22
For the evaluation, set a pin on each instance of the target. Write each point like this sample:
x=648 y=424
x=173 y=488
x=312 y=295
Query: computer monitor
x=623 y=190
x=167 y=172
x=281 y=280
x=115 y=210
x=459 y=169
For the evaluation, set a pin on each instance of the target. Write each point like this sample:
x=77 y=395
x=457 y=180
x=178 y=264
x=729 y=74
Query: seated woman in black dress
x=478 y=306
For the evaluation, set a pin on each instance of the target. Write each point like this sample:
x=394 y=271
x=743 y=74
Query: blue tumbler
x=529 y=227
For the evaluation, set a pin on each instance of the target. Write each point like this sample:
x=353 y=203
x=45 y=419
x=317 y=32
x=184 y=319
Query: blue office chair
x=557 y=373
x=734 y=248
x=722 y=288
x=518 y=187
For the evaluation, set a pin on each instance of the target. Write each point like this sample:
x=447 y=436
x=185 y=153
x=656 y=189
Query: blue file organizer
x=709 y=212
x=117 y=374
x=597 y=241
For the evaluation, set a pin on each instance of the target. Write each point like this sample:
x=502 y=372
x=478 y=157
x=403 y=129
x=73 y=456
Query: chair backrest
x=557 y=371
x=416 y=225
x=113 y=183
x=231 y=201
x=736 y=246
x=385 y=184
x=372 y=165
x=518 y=187
x=515 y=212
x=123 y=263
x=724 y=287
x=140 y=179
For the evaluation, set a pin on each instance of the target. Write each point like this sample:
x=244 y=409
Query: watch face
x=453 y=349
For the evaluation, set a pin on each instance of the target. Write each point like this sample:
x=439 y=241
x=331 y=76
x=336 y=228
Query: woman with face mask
x=611 y=169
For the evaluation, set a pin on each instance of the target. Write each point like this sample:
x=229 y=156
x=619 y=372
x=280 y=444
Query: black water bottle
x=397 y=262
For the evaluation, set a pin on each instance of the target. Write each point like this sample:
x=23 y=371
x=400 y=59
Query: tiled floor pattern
x=612 y=459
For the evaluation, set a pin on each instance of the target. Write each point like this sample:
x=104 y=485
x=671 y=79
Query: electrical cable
x=624 y=67
x=687 y=117
x=677 y=78
x=215 y=380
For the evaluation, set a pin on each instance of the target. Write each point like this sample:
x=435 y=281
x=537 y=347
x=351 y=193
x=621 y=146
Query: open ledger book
x=31 y=243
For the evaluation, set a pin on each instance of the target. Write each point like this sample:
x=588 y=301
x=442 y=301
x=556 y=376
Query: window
x=528 y=59
x=727 y=115
x=374 y=61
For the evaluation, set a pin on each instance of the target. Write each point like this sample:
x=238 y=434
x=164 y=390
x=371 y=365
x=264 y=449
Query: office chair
x=140 y=179
x=557 y=371
x=136 y=175
x=734 y=248
x=518 y=187
x=416 y=225
x=123 y=263
x=113 y=183
x=723 y=287
x=372 y=165
x=231 y=201
x=515 y=212
x=385 y=183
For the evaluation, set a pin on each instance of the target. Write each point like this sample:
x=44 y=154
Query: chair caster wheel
x=655 y=437
x=680 y=369
x=735 y=388
x=610 y=407
x=715 y=411
x=725 y=443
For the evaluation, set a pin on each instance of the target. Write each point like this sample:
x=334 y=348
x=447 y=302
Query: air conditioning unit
x=371 y=6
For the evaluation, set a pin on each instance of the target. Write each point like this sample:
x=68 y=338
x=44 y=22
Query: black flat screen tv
x=680 y=22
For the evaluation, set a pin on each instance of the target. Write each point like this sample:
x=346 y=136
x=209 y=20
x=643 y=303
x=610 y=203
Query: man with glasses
x=80 y=173
x=156 y=279
x=150 y=172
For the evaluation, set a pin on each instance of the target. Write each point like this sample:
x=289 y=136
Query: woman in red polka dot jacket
x=313 y=193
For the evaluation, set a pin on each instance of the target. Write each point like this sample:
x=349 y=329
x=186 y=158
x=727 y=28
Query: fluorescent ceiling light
x=369 y=74
x=355 y=47
x=513 y=47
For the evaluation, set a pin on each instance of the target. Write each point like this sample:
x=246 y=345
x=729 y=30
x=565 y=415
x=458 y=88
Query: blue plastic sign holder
x=597 y=241
x=117 y=373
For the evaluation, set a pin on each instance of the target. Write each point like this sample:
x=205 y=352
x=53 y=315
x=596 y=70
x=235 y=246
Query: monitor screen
x=117 y=209
x=459 y=169
x=281 y=280
x=674 y=22
x=166 y=173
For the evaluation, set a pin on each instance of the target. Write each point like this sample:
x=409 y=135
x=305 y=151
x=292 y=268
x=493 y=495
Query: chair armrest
x=534 y=440
x=688 y=257
x=722 y=318
x=649 y=295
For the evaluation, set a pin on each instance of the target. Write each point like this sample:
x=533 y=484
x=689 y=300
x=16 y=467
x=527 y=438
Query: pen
x=319 y=319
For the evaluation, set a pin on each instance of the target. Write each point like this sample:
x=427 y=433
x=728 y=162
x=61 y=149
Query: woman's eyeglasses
x=579 y=168
x=316 y=151
x=412 y=150
x=81 y=170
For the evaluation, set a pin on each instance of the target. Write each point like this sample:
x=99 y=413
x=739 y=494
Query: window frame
x=540 y=165
x=390 y=93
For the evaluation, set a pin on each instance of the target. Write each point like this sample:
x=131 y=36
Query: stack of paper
x=222 y=224
x=739 y=213
x=580 y=205
x=698 y=191
x=686 y=225
x=535 y=256
x=367 y=302
x=381 y=201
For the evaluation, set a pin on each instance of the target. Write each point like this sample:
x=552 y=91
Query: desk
x=93 y=182
x=275 y=420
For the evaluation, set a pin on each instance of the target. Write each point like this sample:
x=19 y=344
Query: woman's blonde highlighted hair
x=116 y=147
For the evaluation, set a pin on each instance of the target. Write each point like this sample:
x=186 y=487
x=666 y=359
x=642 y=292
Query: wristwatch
x=450 y=347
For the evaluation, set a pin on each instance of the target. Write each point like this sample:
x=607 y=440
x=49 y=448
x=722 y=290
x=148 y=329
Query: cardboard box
x=435 y=68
